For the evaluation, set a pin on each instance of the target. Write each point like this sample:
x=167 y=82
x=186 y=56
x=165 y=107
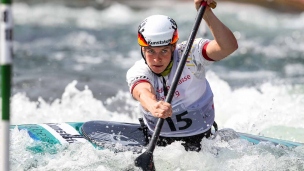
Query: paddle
x=145 y=160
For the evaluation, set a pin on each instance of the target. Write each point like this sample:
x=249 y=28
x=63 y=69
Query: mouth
x=157 y=68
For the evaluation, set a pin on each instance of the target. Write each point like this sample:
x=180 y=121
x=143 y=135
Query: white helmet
x=157 y=30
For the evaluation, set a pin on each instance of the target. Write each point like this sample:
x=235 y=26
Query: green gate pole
x=6 y=48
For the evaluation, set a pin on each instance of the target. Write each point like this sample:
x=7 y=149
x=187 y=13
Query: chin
x=157 y=71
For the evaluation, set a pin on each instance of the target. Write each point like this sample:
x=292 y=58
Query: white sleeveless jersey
x=192 y=103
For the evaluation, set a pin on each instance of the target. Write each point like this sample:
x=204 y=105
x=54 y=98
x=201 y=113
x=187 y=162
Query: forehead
x=157 y=48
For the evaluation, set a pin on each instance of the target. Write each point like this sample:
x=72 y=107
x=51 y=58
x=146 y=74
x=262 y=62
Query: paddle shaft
x=145 y=160
x=177 y=75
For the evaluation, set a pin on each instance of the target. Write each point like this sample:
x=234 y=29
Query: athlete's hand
x=161 y=109
x=198 y=3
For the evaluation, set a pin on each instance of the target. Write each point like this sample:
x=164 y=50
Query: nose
x=158 y=58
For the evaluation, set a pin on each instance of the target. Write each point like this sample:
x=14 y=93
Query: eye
x=150 y=51
x=164 y=51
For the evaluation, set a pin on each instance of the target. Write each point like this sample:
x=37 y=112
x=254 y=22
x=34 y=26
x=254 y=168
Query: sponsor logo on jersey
x=184 y=79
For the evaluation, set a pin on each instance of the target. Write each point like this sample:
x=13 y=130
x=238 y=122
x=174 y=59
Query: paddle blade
x=145 y=161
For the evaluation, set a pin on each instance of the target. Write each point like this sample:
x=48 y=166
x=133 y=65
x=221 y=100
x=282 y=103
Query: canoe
x=117 y=136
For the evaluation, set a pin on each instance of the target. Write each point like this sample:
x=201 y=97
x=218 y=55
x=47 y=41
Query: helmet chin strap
x=166 y=71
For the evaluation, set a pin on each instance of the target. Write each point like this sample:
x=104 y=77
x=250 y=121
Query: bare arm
x=144 y=93
x=224 y=42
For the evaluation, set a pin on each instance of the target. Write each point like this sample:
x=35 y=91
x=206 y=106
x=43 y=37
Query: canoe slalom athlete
x=190 y=115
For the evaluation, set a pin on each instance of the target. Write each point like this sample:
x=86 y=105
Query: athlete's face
x=158 y=58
